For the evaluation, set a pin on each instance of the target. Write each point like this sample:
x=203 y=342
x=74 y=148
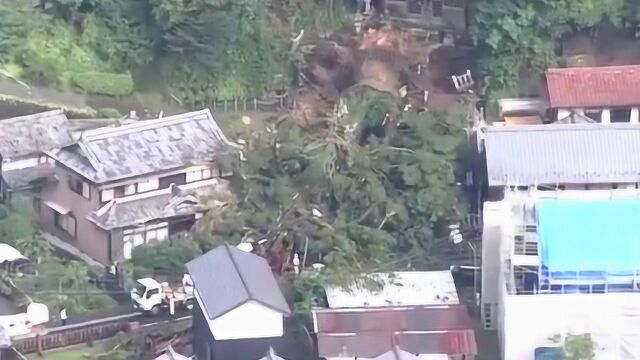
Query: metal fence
x=273 y=104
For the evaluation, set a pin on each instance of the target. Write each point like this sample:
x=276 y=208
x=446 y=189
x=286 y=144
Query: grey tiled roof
x=25 y=177
x=33 y=134
x=226 y=278
x=563 y=153
x=113 y=153
x=129 y=212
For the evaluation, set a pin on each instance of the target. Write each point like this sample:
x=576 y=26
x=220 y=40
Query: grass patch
x=79 y=352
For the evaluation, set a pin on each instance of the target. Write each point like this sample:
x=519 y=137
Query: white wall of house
x=605 y=116
x=496 y=217
x=530 y=320
x=249 y=320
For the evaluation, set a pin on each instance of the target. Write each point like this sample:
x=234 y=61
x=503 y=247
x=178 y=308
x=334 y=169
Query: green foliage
x=521 y=35
x=165 y=258
x=109 y=113
x=35 y=248
x=62 y=283
x=576 y=347
x=380 y=198
x=16 y=224
x=16 y=19
x=103 y=83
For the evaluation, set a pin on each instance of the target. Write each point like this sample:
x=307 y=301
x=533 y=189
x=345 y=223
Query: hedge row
x=103 y=83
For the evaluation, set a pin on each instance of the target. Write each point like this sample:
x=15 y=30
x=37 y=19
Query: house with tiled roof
x=240 y=311
x=605 y=94
x=23 y=143
x=121 y=187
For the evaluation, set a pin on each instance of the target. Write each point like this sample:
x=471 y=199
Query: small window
x=43 y=160
x=594 y=114
x=80 y=187
x=66 y=223
x=130 y=189
x=150 y=184
x=620 y=115
x=197 y=175
x=107 y=195
x=437 y=8
x=150 y=293
x=460 y=4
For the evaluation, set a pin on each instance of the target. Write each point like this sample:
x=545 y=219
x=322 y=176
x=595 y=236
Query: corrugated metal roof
x=418 y=330
x=113 y=153
x=594 y=86
x=403 y=288
x=563 y=154
x=226 y=278
x=429 y=318
x=370 y=345
x=34 y=134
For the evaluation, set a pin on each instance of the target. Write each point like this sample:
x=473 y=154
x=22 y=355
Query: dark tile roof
x=370 y=332
x=226 y=278
x=133 y=210
x=562 y=154
x=34 y=134
x=23 y=178
x=603 y=86
x=112 y=153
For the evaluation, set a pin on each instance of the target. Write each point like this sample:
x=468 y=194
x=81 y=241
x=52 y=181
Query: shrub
x=109 y=113
x=103 y=83
x=162 y=259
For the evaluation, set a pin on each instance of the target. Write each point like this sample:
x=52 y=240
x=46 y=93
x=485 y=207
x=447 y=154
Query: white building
x=559 y=262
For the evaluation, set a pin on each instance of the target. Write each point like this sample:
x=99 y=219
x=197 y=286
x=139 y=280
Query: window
x=594 y=114
x=158 y=232
x=150 y=184
x=454 y=3
x=107 y=195
x=80 y=187
x=131 y=241
x=200 y=174
x=66 y=223
x=43 y=160
x=414 y=7
x=130 y=189
x=150 y=293
x=620 y=115
x=437 y=8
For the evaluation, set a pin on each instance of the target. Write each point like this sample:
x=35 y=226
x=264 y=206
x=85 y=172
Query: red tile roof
x=374 y=331
x=606 y=86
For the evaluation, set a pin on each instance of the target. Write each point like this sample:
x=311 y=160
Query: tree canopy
x=359 y=193
x=195 y=51
x=518 y=36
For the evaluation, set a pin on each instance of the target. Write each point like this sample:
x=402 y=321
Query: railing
x=273 y=104
x=93 y=330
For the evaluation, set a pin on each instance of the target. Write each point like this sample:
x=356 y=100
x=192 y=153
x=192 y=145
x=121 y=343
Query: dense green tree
x=360 y=203
x=521 y=35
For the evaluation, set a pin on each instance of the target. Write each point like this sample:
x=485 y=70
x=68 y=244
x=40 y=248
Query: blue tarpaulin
x=594 y=238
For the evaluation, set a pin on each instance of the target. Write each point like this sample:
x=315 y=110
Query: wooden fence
x=94 y=330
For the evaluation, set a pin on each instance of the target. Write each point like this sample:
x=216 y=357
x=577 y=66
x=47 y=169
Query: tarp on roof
x=589 y=236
